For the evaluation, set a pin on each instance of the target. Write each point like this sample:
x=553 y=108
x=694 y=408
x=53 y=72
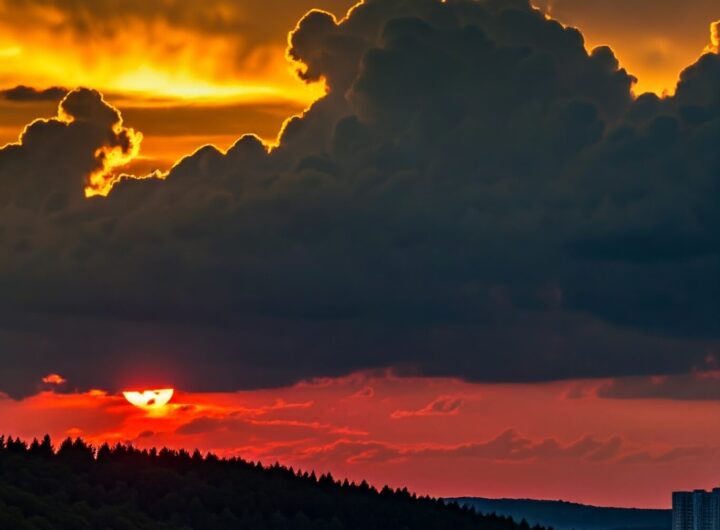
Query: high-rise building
x=696 y=510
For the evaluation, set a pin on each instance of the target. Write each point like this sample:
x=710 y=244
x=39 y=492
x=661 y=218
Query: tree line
x=80 y=487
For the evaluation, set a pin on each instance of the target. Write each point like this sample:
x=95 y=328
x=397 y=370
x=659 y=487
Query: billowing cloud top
x=475 y=196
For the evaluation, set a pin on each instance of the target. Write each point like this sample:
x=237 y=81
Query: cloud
x=714 y=46
x=509 y=446
x=204 y=425
x=353 y=452
x=366 y=392
x=475 y=196
x=670 y=455
x=703 y=386
x=54 y=379
x=83 y=145
x=228 y=423
x=646 y=36
x=26 y=93
x=441 y=406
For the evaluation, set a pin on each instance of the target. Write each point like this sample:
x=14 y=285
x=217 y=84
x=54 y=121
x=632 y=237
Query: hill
x=567 y=516
x=78 y=487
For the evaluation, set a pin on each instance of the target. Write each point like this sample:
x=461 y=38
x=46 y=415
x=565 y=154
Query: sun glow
x=149 y=80
x=150 y=400
x=10 y=51
x=146 y=70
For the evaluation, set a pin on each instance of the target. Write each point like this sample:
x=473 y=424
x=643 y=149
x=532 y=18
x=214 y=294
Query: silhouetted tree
x=123 y=488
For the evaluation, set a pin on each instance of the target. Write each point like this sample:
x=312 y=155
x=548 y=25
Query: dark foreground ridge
x=79 y=487
x=563 y=515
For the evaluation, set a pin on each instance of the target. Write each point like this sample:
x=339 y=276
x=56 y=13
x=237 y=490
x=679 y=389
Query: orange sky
x=438 y=436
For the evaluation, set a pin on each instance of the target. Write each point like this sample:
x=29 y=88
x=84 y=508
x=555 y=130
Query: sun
x=150 y=400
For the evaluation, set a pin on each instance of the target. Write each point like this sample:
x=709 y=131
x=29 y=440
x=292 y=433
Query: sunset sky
x=624 y=442
x=469 y=247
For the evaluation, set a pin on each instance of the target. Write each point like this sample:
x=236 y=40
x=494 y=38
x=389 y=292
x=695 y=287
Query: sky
x=613 y=442
x=470 y=246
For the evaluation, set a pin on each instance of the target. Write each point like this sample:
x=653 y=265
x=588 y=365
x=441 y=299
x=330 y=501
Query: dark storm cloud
x=26 y=93
x=476 y=196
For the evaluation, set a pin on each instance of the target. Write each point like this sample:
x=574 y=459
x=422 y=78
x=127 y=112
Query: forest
x=80 y=487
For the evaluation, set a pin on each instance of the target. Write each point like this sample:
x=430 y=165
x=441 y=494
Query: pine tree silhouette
x=121 y=487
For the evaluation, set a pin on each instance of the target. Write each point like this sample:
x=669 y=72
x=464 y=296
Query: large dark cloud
x=476 y=196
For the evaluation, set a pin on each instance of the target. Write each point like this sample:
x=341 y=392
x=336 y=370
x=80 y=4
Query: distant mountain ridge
x=563 y=515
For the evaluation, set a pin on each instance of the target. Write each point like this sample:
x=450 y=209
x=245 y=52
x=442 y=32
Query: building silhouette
x=696 y=510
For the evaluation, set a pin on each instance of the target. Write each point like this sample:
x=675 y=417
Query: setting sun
x=152 y=400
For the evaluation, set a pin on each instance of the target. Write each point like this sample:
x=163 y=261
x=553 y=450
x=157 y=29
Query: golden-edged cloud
x=91 y=128
x=655 y=40
x=85 y=142
x=714 y=46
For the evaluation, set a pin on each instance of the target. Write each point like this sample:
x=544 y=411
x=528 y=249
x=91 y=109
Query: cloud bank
x=476 y=196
